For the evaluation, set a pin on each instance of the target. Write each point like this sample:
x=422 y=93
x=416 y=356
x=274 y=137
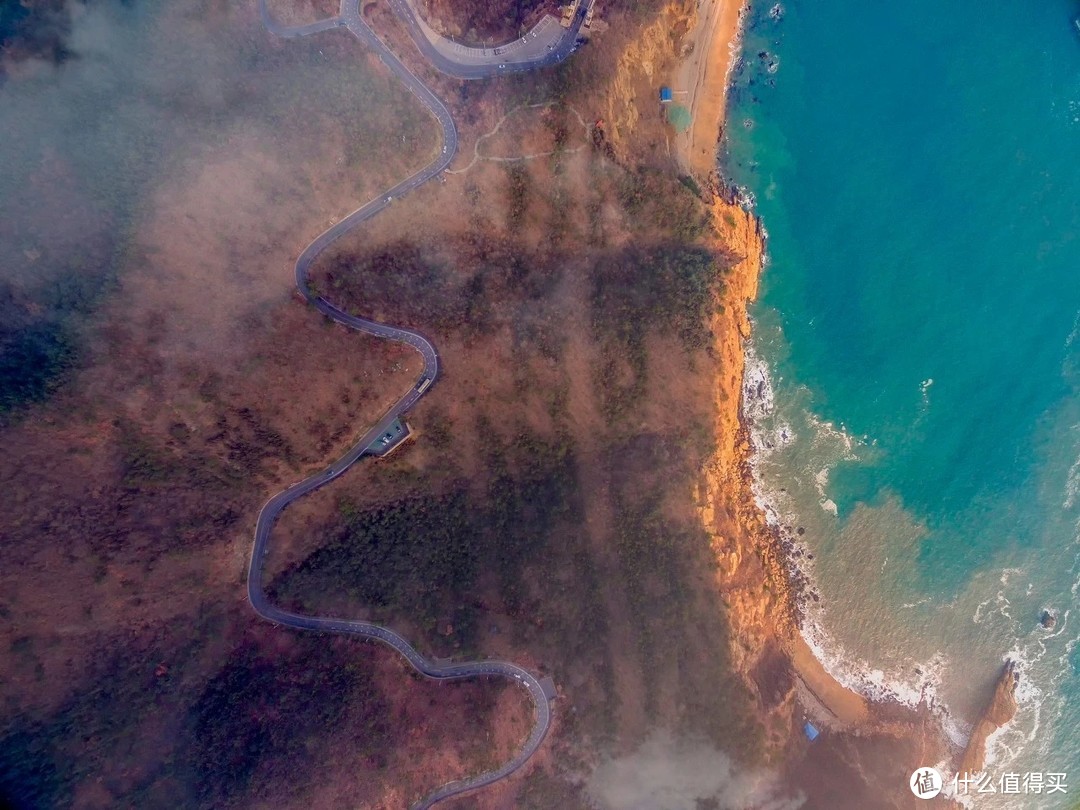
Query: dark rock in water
x=998 y=712
x=800 y=531
x=1048 y=619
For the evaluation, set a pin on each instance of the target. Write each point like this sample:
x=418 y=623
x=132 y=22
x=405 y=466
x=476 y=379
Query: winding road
x=546 y=44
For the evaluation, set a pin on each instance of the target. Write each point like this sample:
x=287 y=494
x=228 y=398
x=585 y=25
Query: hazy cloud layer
x=669 y=773
x=178 y=160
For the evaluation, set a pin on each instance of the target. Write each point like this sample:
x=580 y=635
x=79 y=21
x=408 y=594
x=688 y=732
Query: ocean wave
x=1027 y=739
x=999 y=599
x=836 y=444
x=1038 y=697
x=735 y=46
x=1072 y=485
x=758 y=396
x=909 y=605
x=745 y=198
x=1006 y=744
x=921 y=689
x=911 y=683
x=768 y=434
x=908 y=682
x=924 y=390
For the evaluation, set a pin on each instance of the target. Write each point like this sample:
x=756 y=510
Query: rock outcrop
x=998 y=712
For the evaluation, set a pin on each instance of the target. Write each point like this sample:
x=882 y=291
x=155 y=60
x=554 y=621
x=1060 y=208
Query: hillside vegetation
x=545 y=512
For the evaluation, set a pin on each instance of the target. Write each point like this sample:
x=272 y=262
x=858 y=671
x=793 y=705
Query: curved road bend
x=350 y=18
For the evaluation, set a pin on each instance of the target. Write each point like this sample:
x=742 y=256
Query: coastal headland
x=577 y=499
x=762 y=592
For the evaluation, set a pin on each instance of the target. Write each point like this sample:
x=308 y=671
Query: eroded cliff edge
x=759 y=592
x=998 y=712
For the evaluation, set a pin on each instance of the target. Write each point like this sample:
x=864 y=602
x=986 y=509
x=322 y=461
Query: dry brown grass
x=208 y=386
x=480 y=21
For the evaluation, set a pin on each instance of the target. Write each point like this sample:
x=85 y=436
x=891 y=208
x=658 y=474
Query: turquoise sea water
x=916 y=358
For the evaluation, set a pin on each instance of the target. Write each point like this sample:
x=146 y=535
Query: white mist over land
x=681 y=773
x=171 y=162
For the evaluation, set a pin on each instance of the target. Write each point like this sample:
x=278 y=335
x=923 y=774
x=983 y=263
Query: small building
x=665 y=95
x=397 y=432
x=589 y=12
x=810 y=731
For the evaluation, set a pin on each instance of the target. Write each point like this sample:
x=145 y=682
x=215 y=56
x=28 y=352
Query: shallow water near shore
x=915 y=370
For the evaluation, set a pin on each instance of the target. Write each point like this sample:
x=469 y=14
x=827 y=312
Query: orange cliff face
x=751 y=575
x=738 y=235
x=999 y=711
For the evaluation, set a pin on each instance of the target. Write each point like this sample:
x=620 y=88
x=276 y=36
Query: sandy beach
x=701 y=81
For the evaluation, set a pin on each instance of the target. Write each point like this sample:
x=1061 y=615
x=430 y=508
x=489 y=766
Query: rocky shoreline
x=766 y=594
x=764 y=591
x=999 y=711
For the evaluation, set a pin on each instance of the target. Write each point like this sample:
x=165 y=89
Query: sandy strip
x=701 y=81
x=843 y=708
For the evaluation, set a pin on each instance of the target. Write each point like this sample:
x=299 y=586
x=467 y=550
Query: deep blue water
x=917 y=169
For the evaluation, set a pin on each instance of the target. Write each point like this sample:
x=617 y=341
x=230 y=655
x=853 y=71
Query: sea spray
x=921 y=295
x=770 y=434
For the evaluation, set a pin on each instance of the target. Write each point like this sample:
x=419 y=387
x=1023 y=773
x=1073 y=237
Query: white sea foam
x=921 y=688
x=735 y=46
x=999 y=603
x=821 y=480
x=910 y=605
x=1005 y=744
x=1072 y=485
x=828 y=433
x=909 y=682
x=924 y=389
x=835 y=443
x=758 y=397
x=745 y=198
x=1006 y=573
x=978 y=615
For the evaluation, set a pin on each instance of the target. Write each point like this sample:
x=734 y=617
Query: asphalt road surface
x=546 y=44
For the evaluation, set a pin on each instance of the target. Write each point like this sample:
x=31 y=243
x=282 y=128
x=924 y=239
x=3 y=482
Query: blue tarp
x=665 y=94
x=811 y=732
